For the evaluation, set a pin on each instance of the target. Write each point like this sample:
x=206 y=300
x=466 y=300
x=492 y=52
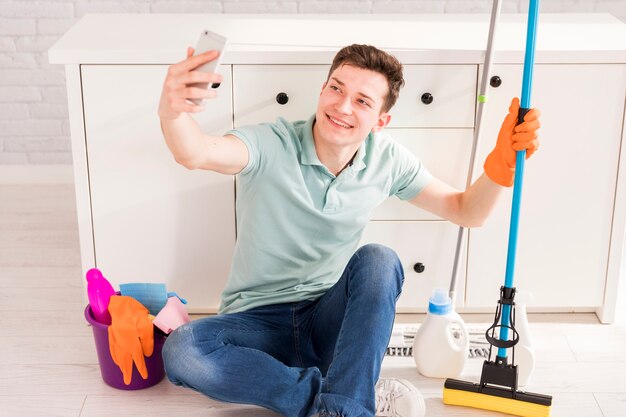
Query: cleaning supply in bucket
x=151 y=294
x=99 y=291
x=441 y=344
x=110 y=372
x=131 y=335
x=171 y=316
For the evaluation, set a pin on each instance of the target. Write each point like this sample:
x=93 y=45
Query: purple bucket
x=111 y=373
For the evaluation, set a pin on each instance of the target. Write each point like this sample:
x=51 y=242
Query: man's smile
x=339 y=122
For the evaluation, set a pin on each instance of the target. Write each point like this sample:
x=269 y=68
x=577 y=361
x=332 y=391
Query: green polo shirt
x=298 y=224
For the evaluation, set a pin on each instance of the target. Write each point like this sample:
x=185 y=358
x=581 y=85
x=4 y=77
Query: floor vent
x=401 y=343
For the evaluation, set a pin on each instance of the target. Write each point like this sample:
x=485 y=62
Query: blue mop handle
x=529 y=60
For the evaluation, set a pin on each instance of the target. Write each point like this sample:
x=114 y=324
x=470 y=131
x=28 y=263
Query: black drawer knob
x=495 y=81
x=427 y=98
x=419 y=267
x=282 y=98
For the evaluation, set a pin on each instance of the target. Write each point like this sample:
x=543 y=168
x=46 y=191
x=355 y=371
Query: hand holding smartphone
x=208 y=41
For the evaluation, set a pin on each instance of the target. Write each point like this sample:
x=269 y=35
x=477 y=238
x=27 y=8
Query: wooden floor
x=48 y=365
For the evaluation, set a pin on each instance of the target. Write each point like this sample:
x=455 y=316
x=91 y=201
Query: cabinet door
x=568 y=192
x=154 y=220
x=453 y=92
x=444 y=152
x=257 y=90
x=431 y=244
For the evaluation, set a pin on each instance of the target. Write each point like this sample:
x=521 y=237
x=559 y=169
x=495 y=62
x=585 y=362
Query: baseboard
x=36 y=174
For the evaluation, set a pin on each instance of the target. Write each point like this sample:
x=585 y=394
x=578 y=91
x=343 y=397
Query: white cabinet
x=569 y=188
x=142 y=217
x=154 y=221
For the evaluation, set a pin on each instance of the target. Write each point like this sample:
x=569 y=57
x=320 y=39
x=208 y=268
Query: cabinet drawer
x=258 y=86
x=430 y=243
x=453 y=91
x=153 y=220
x=444 y=152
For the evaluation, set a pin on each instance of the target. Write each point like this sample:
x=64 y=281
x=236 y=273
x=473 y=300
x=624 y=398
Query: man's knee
x=378 y=253
x=383 y=266
x=381 y=258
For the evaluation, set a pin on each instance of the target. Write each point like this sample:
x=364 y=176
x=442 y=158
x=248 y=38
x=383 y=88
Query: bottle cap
x=93 y=274
x=440 y=303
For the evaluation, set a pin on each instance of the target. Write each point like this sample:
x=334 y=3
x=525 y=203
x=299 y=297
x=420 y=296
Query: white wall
x=34 y=128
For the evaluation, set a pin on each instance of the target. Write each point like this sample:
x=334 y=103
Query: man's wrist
x=498 y=171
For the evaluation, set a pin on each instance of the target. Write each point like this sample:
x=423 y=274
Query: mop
x=497 y=390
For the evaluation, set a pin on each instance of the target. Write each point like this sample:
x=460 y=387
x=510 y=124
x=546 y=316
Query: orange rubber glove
x=500 y=164
x=131 y=335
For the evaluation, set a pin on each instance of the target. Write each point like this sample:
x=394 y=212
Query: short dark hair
x=371 y=58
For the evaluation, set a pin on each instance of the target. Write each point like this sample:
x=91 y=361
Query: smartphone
x=208 y=41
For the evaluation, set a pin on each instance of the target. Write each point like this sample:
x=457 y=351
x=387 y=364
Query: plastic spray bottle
x=441 y=345
x=524 y=351
x=99 y=291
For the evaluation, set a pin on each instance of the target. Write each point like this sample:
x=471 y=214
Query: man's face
x=350 y=105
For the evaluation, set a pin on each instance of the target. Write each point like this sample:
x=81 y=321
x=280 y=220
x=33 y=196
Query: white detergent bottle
x=524 y=351
x=441 y=345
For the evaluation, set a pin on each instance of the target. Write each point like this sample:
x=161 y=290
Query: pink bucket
x=111 y=373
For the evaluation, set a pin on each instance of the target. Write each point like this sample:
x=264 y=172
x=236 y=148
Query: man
x=305 y=320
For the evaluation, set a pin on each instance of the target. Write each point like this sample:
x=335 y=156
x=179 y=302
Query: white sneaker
x=398 y=398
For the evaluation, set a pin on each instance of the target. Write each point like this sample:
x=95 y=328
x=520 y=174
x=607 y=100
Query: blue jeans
x=298 y=359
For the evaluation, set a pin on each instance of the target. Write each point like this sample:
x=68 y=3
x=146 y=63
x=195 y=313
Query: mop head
x=524 y=404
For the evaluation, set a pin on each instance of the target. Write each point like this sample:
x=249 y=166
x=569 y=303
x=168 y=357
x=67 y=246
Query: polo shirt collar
x=308 y=155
